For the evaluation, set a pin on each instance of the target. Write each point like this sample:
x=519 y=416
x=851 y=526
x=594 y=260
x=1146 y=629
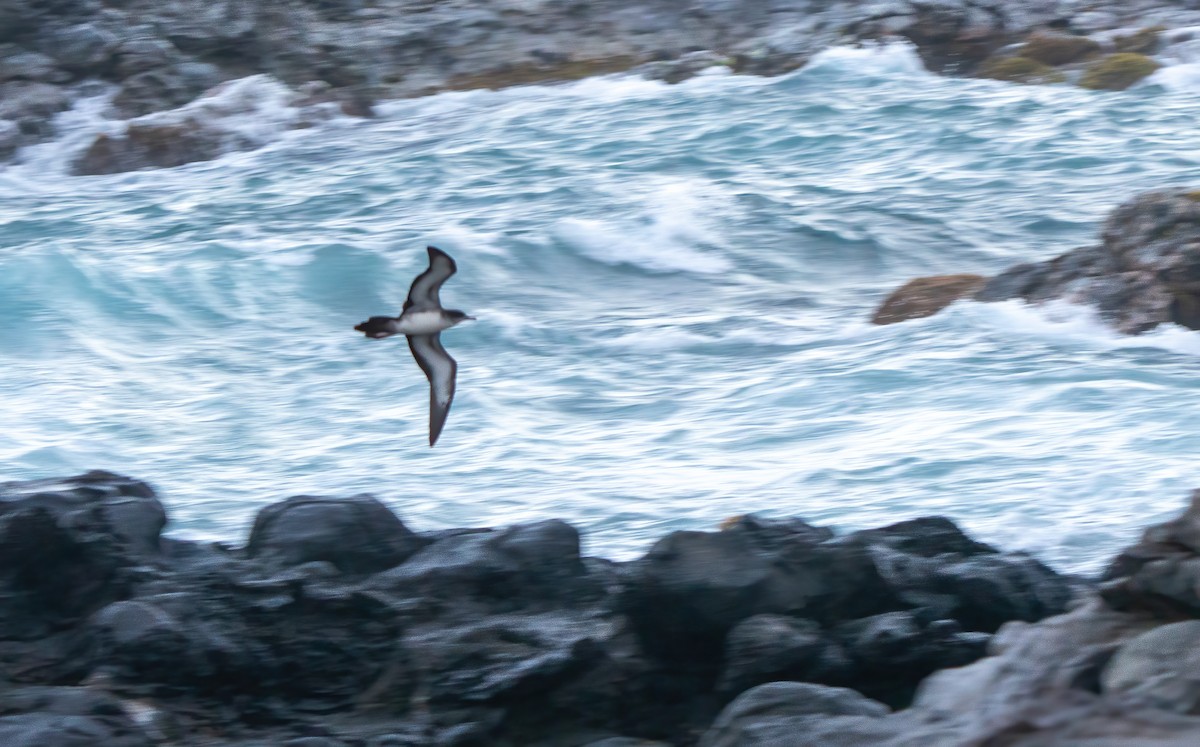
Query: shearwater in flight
x=421 y=320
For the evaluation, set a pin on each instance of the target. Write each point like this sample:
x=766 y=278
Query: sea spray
x=672 y=283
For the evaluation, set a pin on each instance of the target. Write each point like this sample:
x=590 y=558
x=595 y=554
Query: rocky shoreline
x=341 y=55
x=337 y=626
x=1145 y=271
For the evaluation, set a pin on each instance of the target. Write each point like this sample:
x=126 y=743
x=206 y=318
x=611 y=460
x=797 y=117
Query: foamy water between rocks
x=672 y=284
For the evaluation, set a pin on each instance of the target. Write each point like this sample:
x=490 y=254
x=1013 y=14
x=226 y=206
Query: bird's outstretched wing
x=441 y=370
x=424 y=291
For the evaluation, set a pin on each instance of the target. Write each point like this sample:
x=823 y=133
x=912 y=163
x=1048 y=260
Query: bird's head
x=457 y=317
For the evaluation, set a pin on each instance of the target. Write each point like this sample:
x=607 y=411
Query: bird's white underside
x=420 y=323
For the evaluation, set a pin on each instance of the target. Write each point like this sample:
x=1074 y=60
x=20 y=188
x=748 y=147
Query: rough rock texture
x=307 y=529
x=1157 y=667
x=159 y=55
x=1160 y=574
x=337 y=625
x=1145 y=272
x=66 y=717
x=1112 y=672
x=794 y=714
x=1115 y=671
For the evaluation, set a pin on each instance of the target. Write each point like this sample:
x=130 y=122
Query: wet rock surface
x=337 y=624
x=1111 y=672
x=1144 y=272
x=159 y=56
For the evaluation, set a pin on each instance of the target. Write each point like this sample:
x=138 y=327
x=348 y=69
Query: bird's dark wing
x=441 y=371
x=424 y=291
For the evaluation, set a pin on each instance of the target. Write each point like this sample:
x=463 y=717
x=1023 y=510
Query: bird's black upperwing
x=441 y=370
x=424 y=291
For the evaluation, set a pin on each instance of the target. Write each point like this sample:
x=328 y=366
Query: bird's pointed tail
x=377 y=327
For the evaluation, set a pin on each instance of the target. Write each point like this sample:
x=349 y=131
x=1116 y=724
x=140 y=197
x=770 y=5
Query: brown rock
x=1142 y=41
x=1020 y=70
x=1058 y=49
x=151 y=145
x=925 y=297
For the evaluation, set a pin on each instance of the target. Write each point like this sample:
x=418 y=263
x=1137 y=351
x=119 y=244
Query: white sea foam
x=251 y=111
x=1060 y=320
x=657 y=340
x=616 y=88
x=229 y=378
x=666 y=237
x=257 y=107
x=1179 y=78
x=891 y=58
x=455 y=237
x=78 y=126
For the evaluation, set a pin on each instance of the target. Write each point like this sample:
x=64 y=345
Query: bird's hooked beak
x=471 y=318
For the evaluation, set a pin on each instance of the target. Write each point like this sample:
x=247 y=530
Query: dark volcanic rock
x=316 y=646
x=890 y=654
x=83 y=49
x=930 y=564
x=357 y=535
x=1109 y=673
x=905 y=600
x=1143 y=274
x=506 y=658
x=794 y=714
x=31 y=105
x=337 y=625
x=156 y=90
x=143 y=53
x=766 y=648
x=691 y=588
x=368 y=50
x=64 y=545
x=506 y=568
x=1160 y=574
x=129 y=508
x=19 y=64
x=65 y=717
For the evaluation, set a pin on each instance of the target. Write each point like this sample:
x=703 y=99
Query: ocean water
x=672 y=285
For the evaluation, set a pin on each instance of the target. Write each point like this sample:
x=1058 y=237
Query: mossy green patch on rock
x=1117 y=72
x=1194 y=195
x=1058 y=49
x=1020 y=70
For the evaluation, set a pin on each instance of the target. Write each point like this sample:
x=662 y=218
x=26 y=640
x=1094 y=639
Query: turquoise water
x=672 y=284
